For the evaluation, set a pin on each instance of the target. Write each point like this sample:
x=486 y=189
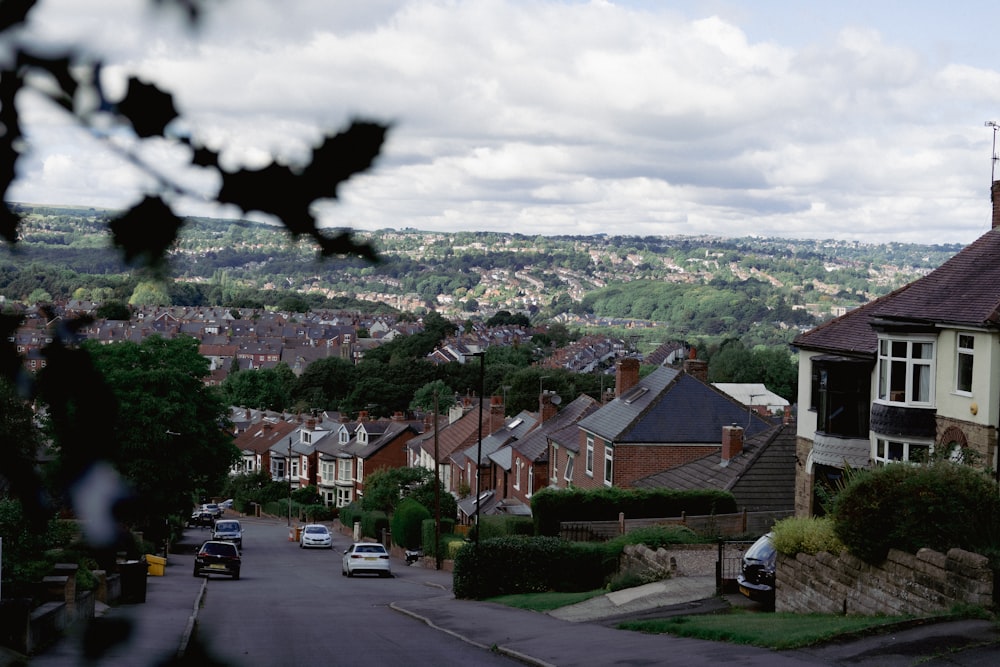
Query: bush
x=940 y=506
x=373 y=523
x=508 y=565
x=407 y=521
x=427 y=536
x=504 y=525
x=656 y=537
x=809 y=535
x=550 y=507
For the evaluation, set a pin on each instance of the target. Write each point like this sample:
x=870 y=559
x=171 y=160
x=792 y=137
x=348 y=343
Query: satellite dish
x=556 y=400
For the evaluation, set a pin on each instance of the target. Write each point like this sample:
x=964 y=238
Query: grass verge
x=778 y=631
x=545 y=601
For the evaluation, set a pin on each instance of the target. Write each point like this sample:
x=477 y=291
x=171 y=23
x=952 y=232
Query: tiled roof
x=534 y=445
x=673 y=408
x=964 y=291
x=761 y=477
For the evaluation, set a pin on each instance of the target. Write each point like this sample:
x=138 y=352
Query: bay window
x=906 y=371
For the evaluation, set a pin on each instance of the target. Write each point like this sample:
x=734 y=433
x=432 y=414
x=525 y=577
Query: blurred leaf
x=146 y=232
x=147 y=107
x=10 y=133
x=13 y=12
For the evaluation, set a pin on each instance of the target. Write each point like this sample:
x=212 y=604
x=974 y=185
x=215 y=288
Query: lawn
x=544 y=602
x=770 y=630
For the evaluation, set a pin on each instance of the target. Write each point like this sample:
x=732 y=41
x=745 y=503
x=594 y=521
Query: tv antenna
x=993 y=167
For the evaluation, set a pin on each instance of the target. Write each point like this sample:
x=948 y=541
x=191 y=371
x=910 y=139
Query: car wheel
x=301 y=546
x=236 y=575
x=349 y=573
x=197 y=573
x=342 y=573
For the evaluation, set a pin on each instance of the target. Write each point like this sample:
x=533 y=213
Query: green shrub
x=427 y=536
x=940 y=506
x=373 y=523
x=631 y=579
x=501 y=525
x=516 y=564
x=407 y=521
x=809 y=535
x=349 y=514
x=656 y=537
x=550 y=507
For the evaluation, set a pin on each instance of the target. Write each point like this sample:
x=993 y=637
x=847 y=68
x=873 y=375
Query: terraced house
x=912 y=374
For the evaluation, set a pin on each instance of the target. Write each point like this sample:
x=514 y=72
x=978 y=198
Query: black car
x=216 y=557
x=756 y=577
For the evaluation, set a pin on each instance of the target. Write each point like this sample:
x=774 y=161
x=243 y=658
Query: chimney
x=363 y=416
x=995 y=198
x=695 y=367
x=397 y=416
x=496 y=405
x=549 y=409
x=732 y=442
x=311 y=424
x=626 y=375
x=787 y=416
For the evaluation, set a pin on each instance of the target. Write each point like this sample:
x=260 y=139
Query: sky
x=770 y=118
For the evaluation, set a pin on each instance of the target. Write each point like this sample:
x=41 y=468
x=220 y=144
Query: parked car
x=228 y=530
x=756 y=577
x=214 y=509
x=316 y=535
x=201 y=519
x=216 y=557
x=368 y=557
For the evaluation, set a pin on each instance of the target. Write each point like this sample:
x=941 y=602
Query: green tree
x=424 y=398
x=150 y=293
x=166 y=436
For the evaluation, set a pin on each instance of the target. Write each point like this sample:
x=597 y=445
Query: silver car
x=316 y=535
x=228 y=530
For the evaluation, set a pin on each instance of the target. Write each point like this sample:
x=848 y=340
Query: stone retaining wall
x=693 y=560
x=920 y=584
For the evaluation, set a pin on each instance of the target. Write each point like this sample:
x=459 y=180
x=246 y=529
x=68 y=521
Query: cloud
x=572 y=117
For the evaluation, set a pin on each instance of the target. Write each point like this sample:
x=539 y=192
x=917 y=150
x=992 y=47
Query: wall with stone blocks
x=920 y=584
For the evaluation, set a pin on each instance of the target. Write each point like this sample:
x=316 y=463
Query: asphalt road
x=291 y=606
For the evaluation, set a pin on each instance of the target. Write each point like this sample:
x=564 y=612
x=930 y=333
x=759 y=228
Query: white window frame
x=361 y=470
x=609 y=464
x=344 y=496
x=590 y=456
x=895 y=356
x=531 y=481
x=518 y=465
x=570 y=464
x=554 y=457
x=886 y=451
x=965 y=358
x=344 y=470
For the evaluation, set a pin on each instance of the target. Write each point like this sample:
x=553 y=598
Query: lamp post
x=479 y=450
x=437 y=490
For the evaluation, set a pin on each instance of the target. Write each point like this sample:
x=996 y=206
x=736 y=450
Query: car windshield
x=227 y=527
x=217 y=549
x=761 y=551
x=315 y=529
x=369 y=549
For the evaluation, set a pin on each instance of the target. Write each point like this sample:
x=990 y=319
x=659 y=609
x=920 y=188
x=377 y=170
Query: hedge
x=550 y=507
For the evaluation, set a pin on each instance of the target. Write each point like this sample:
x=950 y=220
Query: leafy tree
x=113 y=310
x=431 y=395
x=150 y=293
x=164 y=427
x=324 y=383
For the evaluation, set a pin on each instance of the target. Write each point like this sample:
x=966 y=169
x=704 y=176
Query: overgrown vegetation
x=810 y=535
x=939 y=505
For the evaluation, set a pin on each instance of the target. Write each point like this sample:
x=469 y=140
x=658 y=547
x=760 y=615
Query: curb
x=509 y=652
x=192 y=621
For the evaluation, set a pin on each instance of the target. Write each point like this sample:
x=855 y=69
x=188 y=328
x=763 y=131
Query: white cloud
x=764 y=118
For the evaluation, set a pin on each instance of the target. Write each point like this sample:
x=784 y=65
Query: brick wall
x=803 y=478
x=905 y=583
x=634 y=462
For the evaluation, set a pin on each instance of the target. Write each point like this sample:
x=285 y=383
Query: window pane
x=922 y=350
x=899 y=349
x=964 y=382
x=895 y=451
x=921 y=383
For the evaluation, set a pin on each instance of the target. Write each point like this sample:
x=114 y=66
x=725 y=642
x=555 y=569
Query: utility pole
x=479 y=450
x=288 y=473
x=437 y=490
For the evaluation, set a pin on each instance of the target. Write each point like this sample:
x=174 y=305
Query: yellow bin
x=156 y=565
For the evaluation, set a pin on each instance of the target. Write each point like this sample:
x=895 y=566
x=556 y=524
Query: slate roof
x=513 y=429
x=761 y=477
x=964 y=291
x=669 y=406
x=535 y=445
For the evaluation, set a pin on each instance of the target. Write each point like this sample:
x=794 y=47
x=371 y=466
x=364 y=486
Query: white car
x=316 y=535
x=368 y=557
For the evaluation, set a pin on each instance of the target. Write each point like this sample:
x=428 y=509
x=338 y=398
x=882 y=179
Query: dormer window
x=906 y=371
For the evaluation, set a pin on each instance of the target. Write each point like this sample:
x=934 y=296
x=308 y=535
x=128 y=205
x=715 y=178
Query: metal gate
x=728 y=564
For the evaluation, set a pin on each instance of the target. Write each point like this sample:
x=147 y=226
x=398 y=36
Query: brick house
x=666 y=419
x=910 y=374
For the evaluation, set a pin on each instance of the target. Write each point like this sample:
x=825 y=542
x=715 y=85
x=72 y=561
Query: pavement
x=160 y=631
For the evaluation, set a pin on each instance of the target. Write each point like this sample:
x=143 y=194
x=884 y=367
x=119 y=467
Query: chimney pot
x=626 y=375
x=732 y=442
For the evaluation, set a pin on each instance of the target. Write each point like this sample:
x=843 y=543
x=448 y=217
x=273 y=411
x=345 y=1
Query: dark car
x=756 y=577
x=201 y=519
x=216 y=557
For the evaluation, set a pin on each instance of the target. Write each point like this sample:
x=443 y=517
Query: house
x=379 y=445
x=669 y=418
x=758 y=471
x=755 y=396
x=530 y=456
x=256 y=441
x=911 y=374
